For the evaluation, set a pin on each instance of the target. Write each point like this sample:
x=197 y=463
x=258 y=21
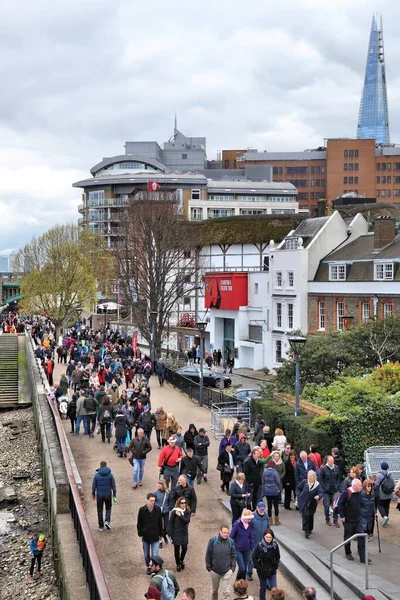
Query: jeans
x=216 y=579
x=148 y=434
x=327 y=500
x=105 y=429
x=171 y=474
x=38 y=557
x=92 y=423
x=79 y=420
x=138 y=470
x=202 y=468
x=106 y=500
x=150 y=549
x=158 y=436
x=266 y=582
x=383 y=507
x=242 y=558
x=121 y=445
x=289 y=488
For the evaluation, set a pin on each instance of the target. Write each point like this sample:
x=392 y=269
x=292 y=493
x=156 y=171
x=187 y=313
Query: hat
x=172 y=439
x=261 y=505
x=368 y=598
x=153 y=592
x=242 y=436
x=146 y=407
x=202 y=430
x=384 y=465
x=157 y=560
x=42 y=538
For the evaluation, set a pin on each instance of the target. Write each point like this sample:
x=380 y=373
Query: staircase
x=8 y=370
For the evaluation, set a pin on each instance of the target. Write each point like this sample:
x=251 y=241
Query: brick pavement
x=119 y=550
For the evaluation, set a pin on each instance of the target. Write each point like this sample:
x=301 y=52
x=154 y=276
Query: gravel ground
x=20 y=468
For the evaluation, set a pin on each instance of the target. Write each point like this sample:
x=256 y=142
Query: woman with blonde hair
x=161 y=418
x=170 y=428
x=178 y=530
x=280 y=440
x=280 y=468
x=162 y=501
x=243 y=537
x=309 y=492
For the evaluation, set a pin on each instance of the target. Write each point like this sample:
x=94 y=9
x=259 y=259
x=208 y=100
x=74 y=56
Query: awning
x=12 y=299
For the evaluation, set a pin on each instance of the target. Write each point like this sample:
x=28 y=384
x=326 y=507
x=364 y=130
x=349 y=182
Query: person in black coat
x=289 y=481
x=265 y=558
x=367 y=507
x=184 y=490
x=240 y=496
x=150 y=528
x=226 y=467
x=71 y=411
x=254 y=469
x=309 y=492
x=178 y=530
x=190 y=435
x=121 y=427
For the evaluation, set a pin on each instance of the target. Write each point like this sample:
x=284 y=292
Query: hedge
x=299 y=430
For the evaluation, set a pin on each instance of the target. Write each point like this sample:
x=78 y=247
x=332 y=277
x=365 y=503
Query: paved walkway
x=119 y=550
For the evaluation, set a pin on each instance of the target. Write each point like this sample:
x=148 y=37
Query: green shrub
x=347 y=395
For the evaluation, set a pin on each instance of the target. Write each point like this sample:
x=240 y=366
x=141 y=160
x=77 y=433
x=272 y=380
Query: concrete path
x=119 y=550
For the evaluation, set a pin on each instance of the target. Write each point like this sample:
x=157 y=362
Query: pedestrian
x=153 y=593
x=280 y=466
x=180 y=441
x=162 y=501
x=240 y=494
x=105 y=416
x=264 y=450
x=226 y=467
x=121 y=428
x=188 y=594
x=309 y=593
x=243 y=537
x=349 y=505
x=150 y=529
x=289 y=457
x=161 y=418
x=104 y=490
x=201 y=443
x=147 y=421
x=240 y=588
x=367 y=508
x=221 y=562
x=183 y=489
x=159 y=574
x=259 y=524
x=161 y=371
x=308 y=492
x=265 y=558
x=228 y=438
x=188 y=466
x=168 y=462
x=329 y=479
x=90 y=406
x=71 y=412
x=265 y=434
x=279 y=440
x=386 y=485
x=303 y=465
x=339 y=462
x=36 y=547
x=241 y=451
x=315 y=457
x=140 y=446
x=189 y=436
x=271 y=487
x=277 y=594
x=170 y=429
x=178 y=530
x=253 y=470
x=81 y=415
x=354 y=473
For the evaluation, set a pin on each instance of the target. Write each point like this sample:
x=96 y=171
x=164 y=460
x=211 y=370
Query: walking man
x=201 y=443
x=221 y=562
x=349 y=510
x=329 y=479
x=168 y=462
x=81 y=415
x=140 y=446
x=253 y=470
x=158 y=574
x=103 y=486
x=150 y=529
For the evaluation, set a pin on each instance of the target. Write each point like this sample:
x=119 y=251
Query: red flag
x=153 y=186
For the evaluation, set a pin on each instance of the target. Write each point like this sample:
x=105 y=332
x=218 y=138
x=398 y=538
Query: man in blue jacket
x=104 y=488
x=259 y=524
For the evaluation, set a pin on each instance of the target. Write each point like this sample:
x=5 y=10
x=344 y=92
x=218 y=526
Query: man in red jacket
x=168 y=462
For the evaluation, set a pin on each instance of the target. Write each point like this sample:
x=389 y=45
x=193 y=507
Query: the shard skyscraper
x=373 y=119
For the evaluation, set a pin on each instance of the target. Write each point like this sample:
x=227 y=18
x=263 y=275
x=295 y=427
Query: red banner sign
x=226 y=291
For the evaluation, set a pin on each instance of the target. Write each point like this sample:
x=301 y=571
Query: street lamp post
x=201 y=326
x=79 y=310
x=153 y=316
x=296 y=343
x=105 y=307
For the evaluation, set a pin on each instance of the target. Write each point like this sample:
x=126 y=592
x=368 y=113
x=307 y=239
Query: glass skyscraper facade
x=373 y=119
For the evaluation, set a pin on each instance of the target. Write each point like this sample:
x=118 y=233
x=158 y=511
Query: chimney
x=385 y=232
x=321 y=207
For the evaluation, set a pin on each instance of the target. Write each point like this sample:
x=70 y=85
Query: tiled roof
x=363 y=249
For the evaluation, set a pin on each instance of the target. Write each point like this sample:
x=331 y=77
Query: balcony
x=81 y=207
x=97 y=216
x=81 y=221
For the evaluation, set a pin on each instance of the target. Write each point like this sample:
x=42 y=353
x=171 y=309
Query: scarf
x=245 y=524
x=314 y=485
x=265 y=546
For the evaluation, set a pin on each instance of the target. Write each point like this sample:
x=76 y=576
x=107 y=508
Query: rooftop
x=144 y=177
x=251 y=186
x=363 y=249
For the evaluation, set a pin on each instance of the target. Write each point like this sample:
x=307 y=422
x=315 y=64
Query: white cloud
x=81 y=78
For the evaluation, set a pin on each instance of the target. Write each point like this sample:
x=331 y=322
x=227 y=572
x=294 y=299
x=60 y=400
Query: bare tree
x=157 y=262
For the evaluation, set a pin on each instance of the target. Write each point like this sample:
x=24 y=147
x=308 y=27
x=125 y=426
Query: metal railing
x=353 y=537
x=90 y=561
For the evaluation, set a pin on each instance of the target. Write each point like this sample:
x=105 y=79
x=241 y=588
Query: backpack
x=167 y=586
x=87 y=405
x=387 y=484
x=216 y=541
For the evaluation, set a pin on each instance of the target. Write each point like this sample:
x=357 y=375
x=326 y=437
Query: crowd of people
x=107 y=384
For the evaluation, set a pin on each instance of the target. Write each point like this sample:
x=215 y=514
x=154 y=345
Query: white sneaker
x=107 y=524
x=385 y=521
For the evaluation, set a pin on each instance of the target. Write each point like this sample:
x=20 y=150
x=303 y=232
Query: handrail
x=353 y=537
x=93 y=570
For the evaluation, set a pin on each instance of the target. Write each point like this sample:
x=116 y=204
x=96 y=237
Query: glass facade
x=373 y=119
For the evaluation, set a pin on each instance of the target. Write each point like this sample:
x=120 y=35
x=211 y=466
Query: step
x=300 y=576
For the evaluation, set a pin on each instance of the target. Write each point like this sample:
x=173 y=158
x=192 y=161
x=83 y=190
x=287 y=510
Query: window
x=195 y=194
x=351 y=166
x=396 y=179
x=389 y=166
x=279 y=314
x=346 y=153
x=256 y=288
x=278 y=351
x=255 y=333
x=351 y=180
x=355 y=179
x=279 y=279
x=218 y=198
x=322 y=182
x=321 y=315
x=383 y=179
x=313 y=182
x=396 y=192
x=351 y=153
x=266 y=263
x=251 y=198
x=186 y=300
x=356 y=154
x=322 y=169
x=345 y=180
x=378 y=193
x=383 y=193
x=96 y=198
x=345 y=167
x=312 y=170
x=296 y=170
x=387 y=309
x=291 y=243
x=318 y=182
x=340 y=315
x=279 y=199
x=302 y=196
x=337 y=272
x=299 y=182
x=389 y=179
x=396 y=166
x=388 y=193
x=378 y=179
x=383 y=271
x=249 y=211
x=383 y=166
x=184 y=156
x=378 y=166
x=290 y=316
x=290 y=279
x=214 y=213
x=196 y=214
x=366 y=311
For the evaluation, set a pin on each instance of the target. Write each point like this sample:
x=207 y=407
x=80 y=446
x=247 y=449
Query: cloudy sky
x=79 y=78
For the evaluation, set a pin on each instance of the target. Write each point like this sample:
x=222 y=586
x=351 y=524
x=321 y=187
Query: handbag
x=226 y=469
x=220 y=467
x=165 y=463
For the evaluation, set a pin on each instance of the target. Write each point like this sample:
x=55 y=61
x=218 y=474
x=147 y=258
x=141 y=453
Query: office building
x=373 y=120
